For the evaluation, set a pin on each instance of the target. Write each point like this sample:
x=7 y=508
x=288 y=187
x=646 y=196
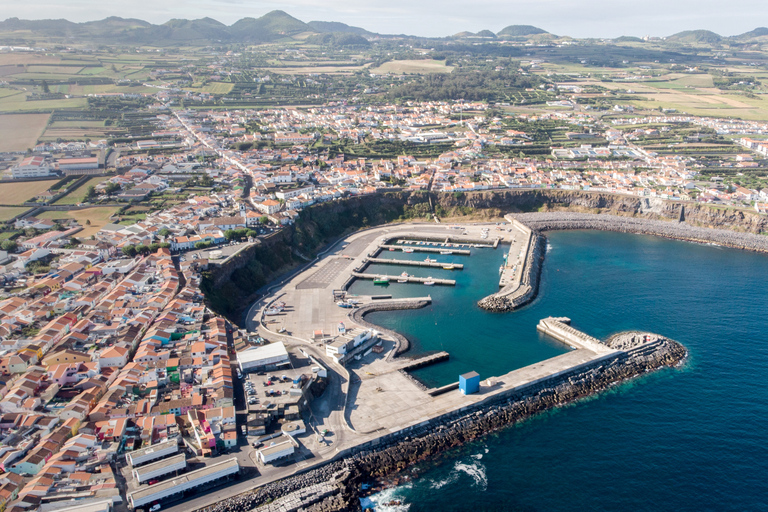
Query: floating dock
x=429 y=264
x=421 y=248
x=411 y=279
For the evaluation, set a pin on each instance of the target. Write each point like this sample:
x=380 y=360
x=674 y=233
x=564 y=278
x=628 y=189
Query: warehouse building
x=152 y=453
x=177 y=486
x=268 y=357
x=160 y=468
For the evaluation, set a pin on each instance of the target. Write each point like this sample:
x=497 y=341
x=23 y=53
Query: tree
x=87 y=222
x=111 y=188
x=263 y=219
x=90 y=192
x=9 y=245
x=129 y=251
x=164 y=232
x=45 y=87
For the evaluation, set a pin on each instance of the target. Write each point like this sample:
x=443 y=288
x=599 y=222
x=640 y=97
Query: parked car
x=154 y=508
x=152 y=482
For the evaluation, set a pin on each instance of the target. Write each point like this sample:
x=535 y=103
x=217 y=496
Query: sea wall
x=390 y=454
x=513 y=297
x=668 y=229
x=401 y=342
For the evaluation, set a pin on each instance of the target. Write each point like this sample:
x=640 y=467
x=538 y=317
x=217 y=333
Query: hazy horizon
x=438 y=18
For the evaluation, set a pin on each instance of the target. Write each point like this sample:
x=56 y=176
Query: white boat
x=446 y=252
x=449 y=266
x=408 y=250
x=402 y=280
x=429 y=282
x=429 y=260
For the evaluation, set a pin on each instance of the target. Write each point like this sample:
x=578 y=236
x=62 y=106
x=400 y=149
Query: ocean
x=692 y=438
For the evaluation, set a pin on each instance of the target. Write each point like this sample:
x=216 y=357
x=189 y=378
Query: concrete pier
x=428 y=264
x=433 y=250
x=411 y=279
x=560 y=329
x=421 y=362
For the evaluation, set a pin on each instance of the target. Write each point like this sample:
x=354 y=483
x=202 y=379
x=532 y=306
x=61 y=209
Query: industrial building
x=32 y=167
x=160 y=468
x=176 y=486
x=469 y=383
x=152 y=453
x=346 y=342
x=268 y=357
x=282 y=447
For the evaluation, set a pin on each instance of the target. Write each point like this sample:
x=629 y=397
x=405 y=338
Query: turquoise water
x=687 y=439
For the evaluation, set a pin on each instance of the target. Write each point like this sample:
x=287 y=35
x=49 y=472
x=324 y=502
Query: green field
x=19 y=103
x=78 y=195
x=9 y=212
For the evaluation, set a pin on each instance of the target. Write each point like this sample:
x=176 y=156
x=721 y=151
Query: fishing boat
x=429 y=282
x=343 y=304
x=449 y=266
x=381 y=280
x=391 y=248
x=429 y=260
x=402 y=280
x=446 y=252
x=408 y=250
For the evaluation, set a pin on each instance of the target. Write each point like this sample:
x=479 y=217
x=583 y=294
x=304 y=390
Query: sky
x=434 y=18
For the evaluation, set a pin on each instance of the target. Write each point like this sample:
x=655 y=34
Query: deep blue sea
x=694 y=438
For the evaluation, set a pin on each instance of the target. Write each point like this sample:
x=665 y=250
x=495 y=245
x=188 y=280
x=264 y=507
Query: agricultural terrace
x=19 y=132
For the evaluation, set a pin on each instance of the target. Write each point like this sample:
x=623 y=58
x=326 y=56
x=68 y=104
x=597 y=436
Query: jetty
x=428 y=264
x=420 y=248
x=411 y=279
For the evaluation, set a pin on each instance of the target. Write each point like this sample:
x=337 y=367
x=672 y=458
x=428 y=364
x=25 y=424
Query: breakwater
x=514 y=296
x=401 y=342
x=638 y=354
x=668 y=229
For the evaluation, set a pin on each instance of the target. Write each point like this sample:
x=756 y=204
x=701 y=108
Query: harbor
x=427 y=264
x=385 y=279
x=374 y=402
x=425 y=249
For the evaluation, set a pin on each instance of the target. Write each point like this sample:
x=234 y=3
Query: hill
x=520 y=31
x=335 y=26
x=695 y=36
x=758 y=32
x=271 y=26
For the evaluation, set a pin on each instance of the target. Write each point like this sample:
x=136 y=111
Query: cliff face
x=230 y=288
x=596 y=202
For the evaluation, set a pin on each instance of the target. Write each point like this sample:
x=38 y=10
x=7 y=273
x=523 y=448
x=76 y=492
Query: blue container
x=469 y=383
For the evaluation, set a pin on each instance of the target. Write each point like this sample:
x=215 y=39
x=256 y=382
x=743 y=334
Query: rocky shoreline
x=337 y=486
x=679 y=230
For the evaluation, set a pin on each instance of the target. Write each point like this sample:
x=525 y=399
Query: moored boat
x=381 y=280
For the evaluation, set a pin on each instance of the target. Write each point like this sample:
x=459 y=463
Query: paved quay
x=372 y=398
